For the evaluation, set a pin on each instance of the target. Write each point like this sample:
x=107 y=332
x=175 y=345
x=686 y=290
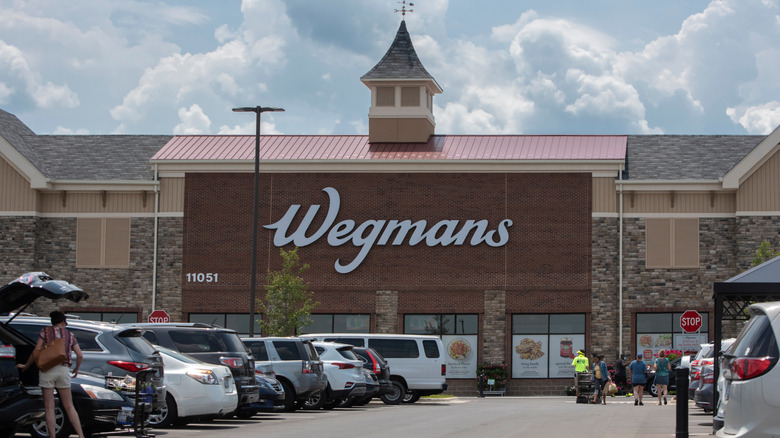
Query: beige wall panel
x=761 y=192
x=605 y=198
x=658 y=237
x=171 y=195
x=704 y=203
x=15 y=191
x=382 y=130
x=93 y=202
x=686 y=243
x=414 y=130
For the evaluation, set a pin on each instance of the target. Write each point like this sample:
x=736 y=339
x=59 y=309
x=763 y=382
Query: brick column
x=387 y=311
x=494 y=327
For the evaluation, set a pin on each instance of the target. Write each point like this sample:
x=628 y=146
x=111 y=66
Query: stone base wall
x=49 y=245
x=605 y=315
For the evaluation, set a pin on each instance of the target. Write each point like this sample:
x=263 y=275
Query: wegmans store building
x=524 y=247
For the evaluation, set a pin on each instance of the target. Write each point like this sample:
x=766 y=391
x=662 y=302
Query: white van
x=417 y=363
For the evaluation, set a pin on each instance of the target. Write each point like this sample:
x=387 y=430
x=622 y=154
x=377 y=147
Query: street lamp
x=253 y=276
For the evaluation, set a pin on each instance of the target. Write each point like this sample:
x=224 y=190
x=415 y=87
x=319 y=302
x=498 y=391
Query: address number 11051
x=202 y=278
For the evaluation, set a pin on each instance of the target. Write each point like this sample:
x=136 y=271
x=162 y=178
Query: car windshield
x=347 y=353
x=191 y=341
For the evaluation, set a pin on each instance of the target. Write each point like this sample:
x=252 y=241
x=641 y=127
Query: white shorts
x=57 y=377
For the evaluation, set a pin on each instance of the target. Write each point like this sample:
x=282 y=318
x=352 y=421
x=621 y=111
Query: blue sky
x=506 y=67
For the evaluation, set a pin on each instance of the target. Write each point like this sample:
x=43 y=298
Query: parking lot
x=464 y=417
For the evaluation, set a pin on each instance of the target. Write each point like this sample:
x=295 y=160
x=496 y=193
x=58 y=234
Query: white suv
x=417 y=363
x=344 y=371
x=751 y=400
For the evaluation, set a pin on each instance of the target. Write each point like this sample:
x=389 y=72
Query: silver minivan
x=295 y=363
x=417 y=363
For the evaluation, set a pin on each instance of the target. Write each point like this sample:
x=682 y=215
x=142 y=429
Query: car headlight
x=205 y=377
x=99 y=393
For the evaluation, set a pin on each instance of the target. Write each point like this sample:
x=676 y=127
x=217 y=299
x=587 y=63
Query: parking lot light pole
x=253 y=270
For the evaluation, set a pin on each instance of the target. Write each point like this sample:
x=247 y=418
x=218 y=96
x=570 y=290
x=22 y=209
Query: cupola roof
x=400 y=61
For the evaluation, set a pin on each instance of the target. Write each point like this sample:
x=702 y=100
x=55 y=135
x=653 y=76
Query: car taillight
x=133 y=367
x=306 y=367
x=343 y=366
x=376 y=368
x=444 y=369
x=232 y=362
x=7 y=352
x=744 y=368
x=695 y=363
x=708 y=378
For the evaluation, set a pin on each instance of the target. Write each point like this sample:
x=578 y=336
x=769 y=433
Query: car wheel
x=652 y=388
x=289 y=396
x=62 y=427
x=411 y=397
x=316 y=400
x=396 y=395
x=165 y=416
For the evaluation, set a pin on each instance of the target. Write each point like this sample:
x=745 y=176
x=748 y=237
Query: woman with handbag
x=600 y=378
x=55 y=344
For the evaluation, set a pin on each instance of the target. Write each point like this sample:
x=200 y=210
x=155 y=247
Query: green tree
x=763 y=253
x=288 y=302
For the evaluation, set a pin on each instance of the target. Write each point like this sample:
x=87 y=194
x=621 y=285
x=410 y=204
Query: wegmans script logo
x=381 y=232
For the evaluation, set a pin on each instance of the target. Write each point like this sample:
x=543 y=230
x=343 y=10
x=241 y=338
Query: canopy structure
x=733 y=296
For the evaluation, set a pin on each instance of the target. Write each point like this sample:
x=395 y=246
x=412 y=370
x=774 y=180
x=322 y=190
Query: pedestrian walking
x=662 y=369
x=600 y=379
x=620 y=373
x=59 y=376
x=580 y=364
x=638 y=378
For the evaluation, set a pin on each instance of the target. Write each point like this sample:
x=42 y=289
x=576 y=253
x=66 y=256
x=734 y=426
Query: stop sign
x=159 y=316
x=690 y=321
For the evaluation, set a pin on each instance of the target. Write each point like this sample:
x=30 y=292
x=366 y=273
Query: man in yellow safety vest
x=580 y=364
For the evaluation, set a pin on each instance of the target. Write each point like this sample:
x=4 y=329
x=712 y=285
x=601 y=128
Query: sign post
x=159 y=316
x=690 y=321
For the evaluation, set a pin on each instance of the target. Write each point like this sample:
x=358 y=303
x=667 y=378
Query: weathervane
x=403 y=9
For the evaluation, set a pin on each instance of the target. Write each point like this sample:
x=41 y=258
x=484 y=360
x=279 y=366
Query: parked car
x=417 y=364
x=19 y=405
x=215 y=345
x=651 y=386
x=271 y=394
x=196 y=389
x=374 y=362
x=703 y=393
x=295 y=363
x=751 y=400
x=695 y=373
x=99 y=408
x=372 y=389
x=108 y=348
x=344 y=372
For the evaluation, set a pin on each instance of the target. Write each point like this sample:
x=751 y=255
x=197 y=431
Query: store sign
x=381 y=232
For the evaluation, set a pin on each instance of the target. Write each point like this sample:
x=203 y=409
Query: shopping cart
x=585 y=388
x=148 y=392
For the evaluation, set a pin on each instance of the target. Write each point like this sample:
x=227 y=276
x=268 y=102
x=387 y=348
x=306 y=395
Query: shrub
x=496 y=372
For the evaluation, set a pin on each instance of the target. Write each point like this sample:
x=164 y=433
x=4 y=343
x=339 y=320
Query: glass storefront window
x=459 y=336
x=338 y=323
x=544 y=345
x=662 y=331
x=116 y=317
x=234 y=321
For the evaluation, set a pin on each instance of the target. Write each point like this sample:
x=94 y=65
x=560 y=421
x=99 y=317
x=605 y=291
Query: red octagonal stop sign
x=690 y=321
x=159 y=316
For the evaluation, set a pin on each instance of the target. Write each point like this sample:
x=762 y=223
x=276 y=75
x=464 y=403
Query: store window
x=115 y=317
x=234 y=321
x=338 y=323
x=103 y=243
x=458 y=332
x=662 y=331
x=544 y=345
x=672 y=243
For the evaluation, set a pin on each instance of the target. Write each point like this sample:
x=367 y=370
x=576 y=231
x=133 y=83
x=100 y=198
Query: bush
x=497 y=373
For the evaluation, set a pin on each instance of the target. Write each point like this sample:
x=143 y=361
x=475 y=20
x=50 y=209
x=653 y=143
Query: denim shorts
x=57 y=377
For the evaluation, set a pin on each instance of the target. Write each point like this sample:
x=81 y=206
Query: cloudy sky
x=506 y=67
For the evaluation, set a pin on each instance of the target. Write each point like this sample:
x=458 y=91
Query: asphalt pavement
x=489 y=417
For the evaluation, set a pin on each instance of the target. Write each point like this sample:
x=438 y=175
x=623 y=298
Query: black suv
x=211 y=344
x=18 y=407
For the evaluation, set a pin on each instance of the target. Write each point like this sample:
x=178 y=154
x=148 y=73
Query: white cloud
x=5 y=93
x=248 y=128
x=759 y=119
x=193 y=121
x=60 y=130
x=45 y=95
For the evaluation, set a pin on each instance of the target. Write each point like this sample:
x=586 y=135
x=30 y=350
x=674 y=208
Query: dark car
x=211 y=344
x=19 y=406
x=374 y=362
x=271 y=395
x=99 y=408
x=651 y=387
x=703 y=397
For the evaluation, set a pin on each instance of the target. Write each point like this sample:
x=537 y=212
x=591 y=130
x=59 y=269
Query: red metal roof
x=356 y=147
